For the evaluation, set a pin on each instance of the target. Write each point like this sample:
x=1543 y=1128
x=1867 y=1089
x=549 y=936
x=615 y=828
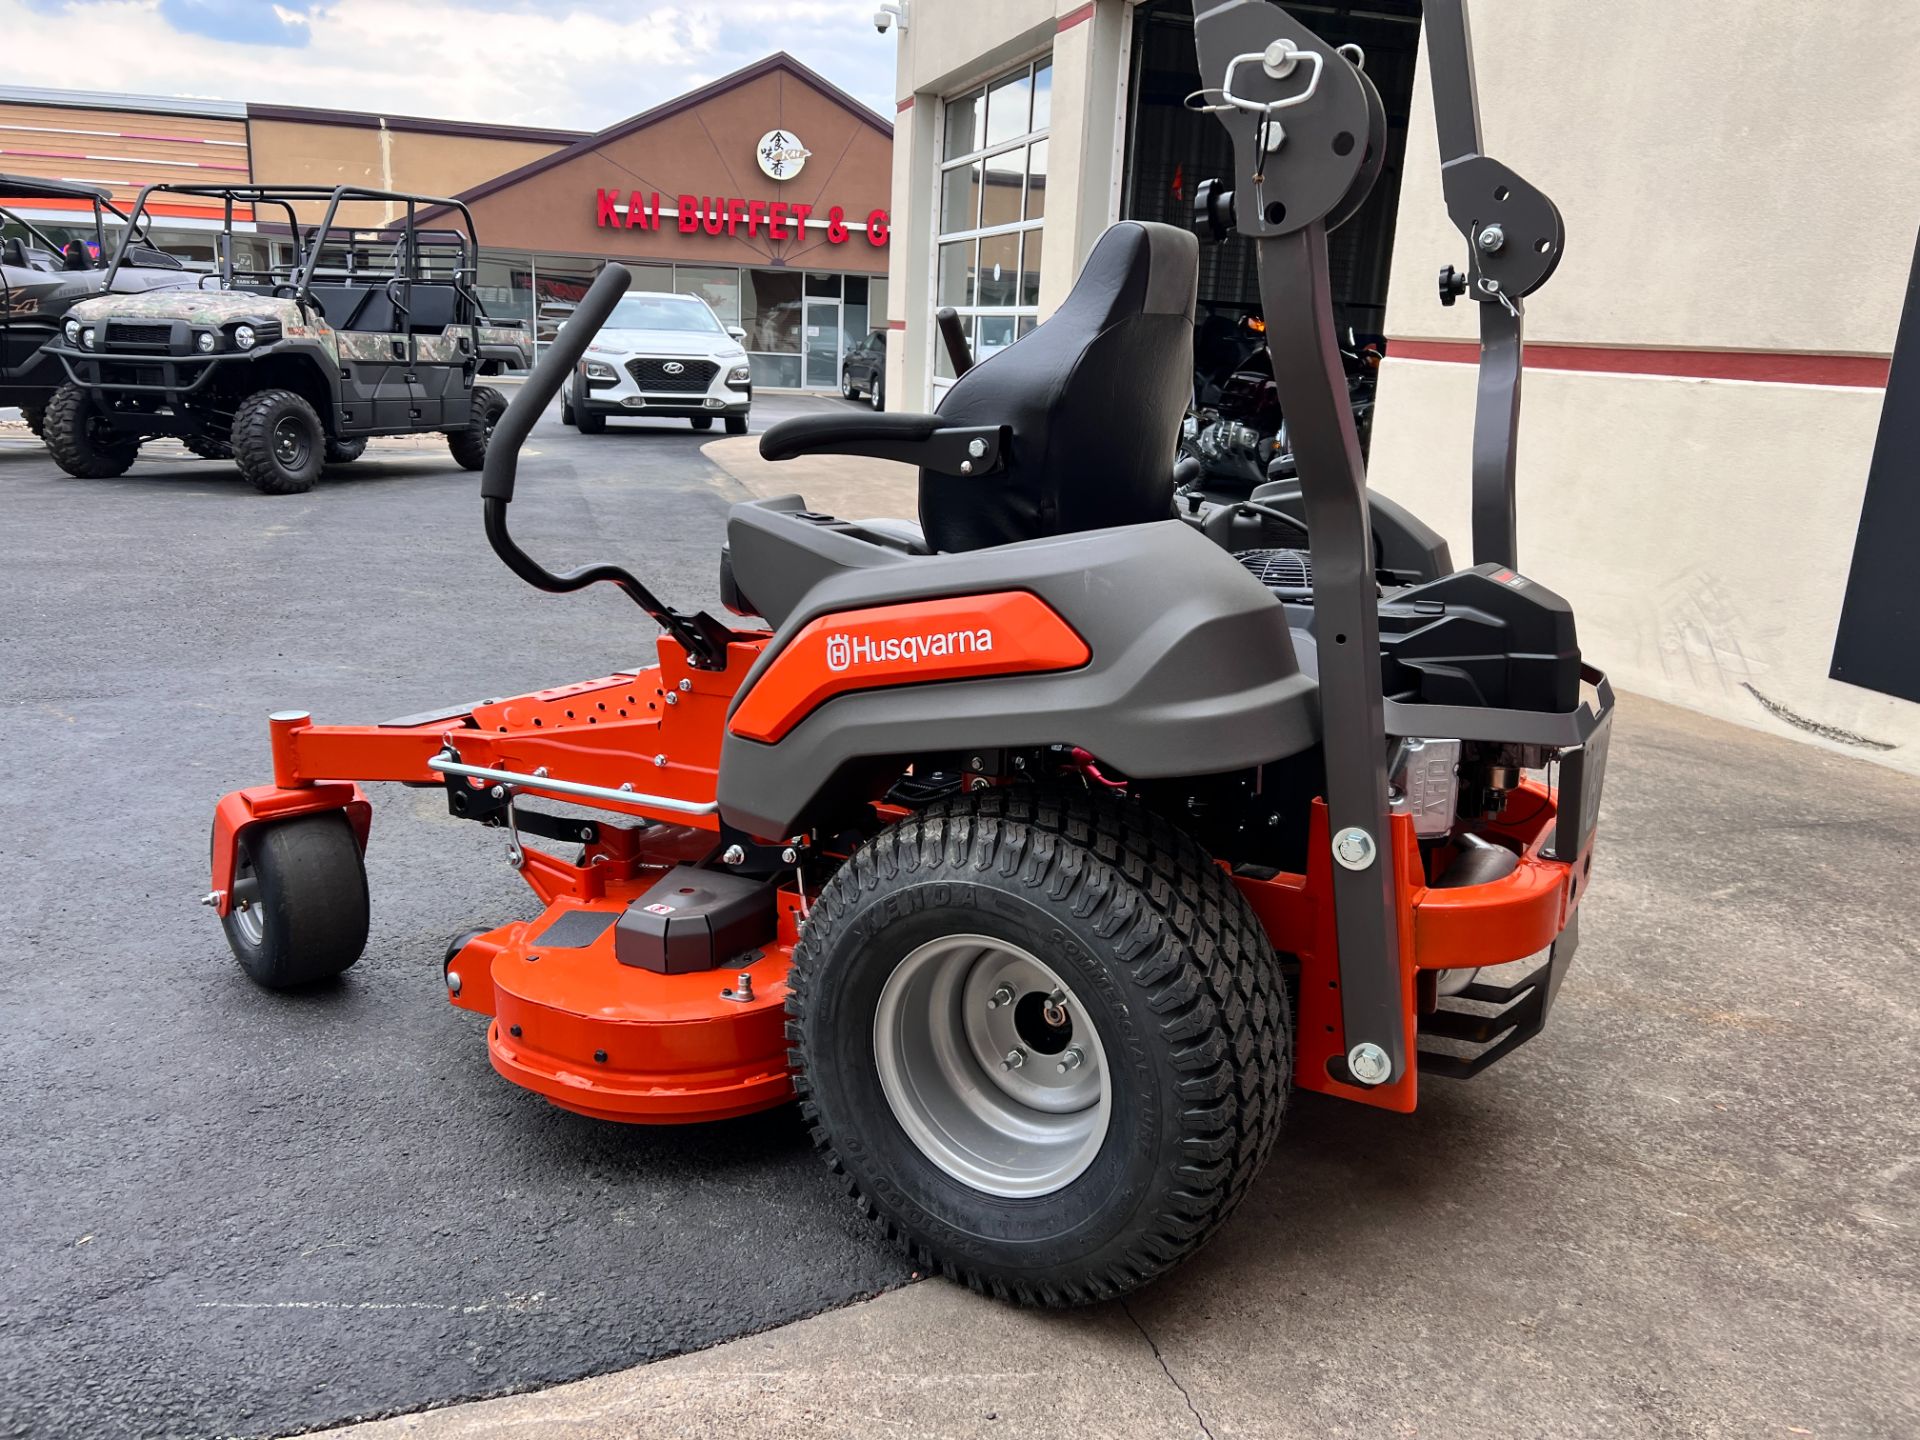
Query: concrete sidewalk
x=1688 y=1208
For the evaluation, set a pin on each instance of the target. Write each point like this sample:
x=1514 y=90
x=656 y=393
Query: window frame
x=1022 y=316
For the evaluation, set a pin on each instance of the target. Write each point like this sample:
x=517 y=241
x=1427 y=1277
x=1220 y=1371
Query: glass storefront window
x=999 y=270
x=1037 y=181
x=966 y=124
x=960 y=198
x=823 y=286
x=956 y=275
x=1030 y=270
x=770 y=312
x=1009 y=107
x=1042 y=94
x=718 y=286
x=658 y=278
x=1000 y=199
x=779 y=372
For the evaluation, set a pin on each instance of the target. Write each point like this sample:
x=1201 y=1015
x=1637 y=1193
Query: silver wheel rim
x=951 y=1018
x=245 y=912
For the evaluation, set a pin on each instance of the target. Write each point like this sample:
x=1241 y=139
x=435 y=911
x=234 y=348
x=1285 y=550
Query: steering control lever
x=700 y=635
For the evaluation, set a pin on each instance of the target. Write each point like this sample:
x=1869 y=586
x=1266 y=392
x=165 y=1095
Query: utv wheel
x=469 y=446
x=300 y=901
x=701 y=422
x=589 y=422
x=278 y=442
x=736 y=424
x=81 y=440
x=344 y=452
x=1043 y=1040
x=35 y=416
x=207 y=447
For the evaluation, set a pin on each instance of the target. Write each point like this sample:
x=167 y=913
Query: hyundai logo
x=673 y=367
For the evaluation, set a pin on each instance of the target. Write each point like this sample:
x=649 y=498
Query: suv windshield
x=663 y=312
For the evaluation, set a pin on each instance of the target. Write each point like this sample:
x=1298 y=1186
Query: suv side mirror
x=737 y=333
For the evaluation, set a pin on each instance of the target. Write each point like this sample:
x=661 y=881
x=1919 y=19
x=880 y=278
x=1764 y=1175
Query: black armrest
x=911 y=439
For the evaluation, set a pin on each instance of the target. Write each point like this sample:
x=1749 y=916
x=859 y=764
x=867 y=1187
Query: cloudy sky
x=576 y=64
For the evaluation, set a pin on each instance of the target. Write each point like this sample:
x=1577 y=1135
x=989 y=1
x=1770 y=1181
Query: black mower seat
x=1072 y=428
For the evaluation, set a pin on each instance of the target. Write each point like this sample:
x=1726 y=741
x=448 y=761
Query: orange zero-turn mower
x=1041 y=847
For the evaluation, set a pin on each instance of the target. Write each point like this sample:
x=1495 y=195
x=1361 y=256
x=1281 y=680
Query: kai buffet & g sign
x=733 y=215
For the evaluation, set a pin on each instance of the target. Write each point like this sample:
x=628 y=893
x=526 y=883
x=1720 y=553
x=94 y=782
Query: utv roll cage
x=411 y=245
x=16 y=188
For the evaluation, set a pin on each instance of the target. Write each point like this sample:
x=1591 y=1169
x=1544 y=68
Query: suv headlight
x=600 y=370
x=740 y=375
x=72 y=331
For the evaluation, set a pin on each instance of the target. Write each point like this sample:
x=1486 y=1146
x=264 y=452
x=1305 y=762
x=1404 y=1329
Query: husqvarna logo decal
x=845 y=651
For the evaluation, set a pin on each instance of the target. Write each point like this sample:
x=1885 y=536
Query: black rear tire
x=278 y=442
x=469 y=446
x=736 y=424
x=1170 y=968
x=700 y=422
x=345 y=452
x=878 y=395
x=306 y=916
x=566 y=411
x=35 y=416
x=80 y=439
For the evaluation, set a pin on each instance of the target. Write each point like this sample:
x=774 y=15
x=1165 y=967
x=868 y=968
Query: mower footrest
x=1521 y=1016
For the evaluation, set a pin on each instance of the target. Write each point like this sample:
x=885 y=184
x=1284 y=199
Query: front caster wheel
x=1043 y=1039
x=299 y=912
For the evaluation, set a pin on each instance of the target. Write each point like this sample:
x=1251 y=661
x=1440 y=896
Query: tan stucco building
x=1706 y=370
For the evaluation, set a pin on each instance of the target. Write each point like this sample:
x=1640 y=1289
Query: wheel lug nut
x=1003 y=995
x=1070 y=1061
x=1015 y=1059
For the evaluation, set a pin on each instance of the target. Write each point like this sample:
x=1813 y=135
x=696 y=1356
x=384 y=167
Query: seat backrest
x=14 y=253
x=430 y=308
x=75 y=256
x=1093 y=399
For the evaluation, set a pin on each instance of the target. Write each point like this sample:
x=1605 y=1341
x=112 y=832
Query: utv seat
x=14 y=253
x=1072 y=428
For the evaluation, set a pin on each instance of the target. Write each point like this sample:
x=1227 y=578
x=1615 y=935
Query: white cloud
x=568 y=65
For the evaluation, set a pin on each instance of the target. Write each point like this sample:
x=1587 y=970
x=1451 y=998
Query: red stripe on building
x=896 y=324
x=1863 y=372
x=904 y=106
x=1073 y=18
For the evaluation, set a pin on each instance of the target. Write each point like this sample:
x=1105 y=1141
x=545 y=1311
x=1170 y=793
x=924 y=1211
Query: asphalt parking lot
x=236 y=1213
x=1688 y=1209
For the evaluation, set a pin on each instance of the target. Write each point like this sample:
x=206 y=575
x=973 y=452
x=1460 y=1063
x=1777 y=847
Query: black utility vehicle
x=48 y=266
x=290 y=358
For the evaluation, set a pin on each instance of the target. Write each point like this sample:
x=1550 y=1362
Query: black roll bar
x=703 y=638
x=1307 y=130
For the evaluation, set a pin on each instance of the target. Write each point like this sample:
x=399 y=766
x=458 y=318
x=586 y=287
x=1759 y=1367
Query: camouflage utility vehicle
x=293 y=354
x=49 y=265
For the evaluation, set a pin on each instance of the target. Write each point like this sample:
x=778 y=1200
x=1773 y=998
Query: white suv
x=661 y=355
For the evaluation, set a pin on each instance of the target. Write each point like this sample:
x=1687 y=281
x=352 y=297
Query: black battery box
x=695 y=919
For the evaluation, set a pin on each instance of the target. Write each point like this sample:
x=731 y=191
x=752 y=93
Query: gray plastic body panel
x=1192 y=669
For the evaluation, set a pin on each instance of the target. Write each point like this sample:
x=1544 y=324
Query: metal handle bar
x=704 y=640
x=447 y=765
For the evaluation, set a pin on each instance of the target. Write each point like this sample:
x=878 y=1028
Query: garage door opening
x=1171 y=150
